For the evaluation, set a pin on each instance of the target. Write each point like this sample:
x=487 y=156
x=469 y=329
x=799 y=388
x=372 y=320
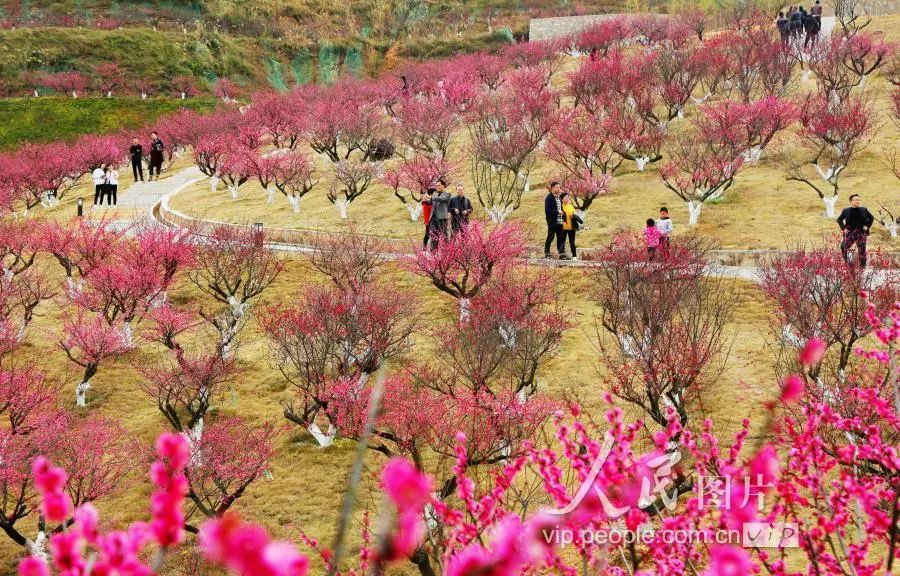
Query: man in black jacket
x=156 y=154
x=137 y=158
x=554 y=214
x=460 y=208
x=855 y=223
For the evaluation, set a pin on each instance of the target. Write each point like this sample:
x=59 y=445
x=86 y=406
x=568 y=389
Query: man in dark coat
x=460 y=208
x=553 y=212
x=855 y=222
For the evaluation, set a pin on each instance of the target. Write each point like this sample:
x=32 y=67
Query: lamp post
x=80 y=207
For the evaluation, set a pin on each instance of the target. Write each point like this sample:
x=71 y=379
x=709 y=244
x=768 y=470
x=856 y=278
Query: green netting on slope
x=328 y=63
x=275 y=74
x=354 y=61
x=303 y=68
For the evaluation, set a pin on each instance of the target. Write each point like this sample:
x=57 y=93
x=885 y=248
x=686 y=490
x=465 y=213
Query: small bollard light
x=258 y=233
x=80 y=207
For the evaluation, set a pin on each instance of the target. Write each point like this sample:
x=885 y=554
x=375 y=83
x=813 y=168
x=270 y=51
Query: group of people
x=797 y=21
x=136 y=151
x=444 y=213
x=106 y=184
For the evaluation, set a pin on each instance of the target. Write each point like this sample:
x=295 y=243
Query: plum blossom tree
x=462 y=265
x=281 y=117
x=426 y=125
x=412 y=177
x=292 y=173
x=229 y=457
x=88 y=340
x=350 y=179
x=225 y=90
x=210 y=153
x=184 y=86
x=817 y=296
x=70 y=83
x=234 y=267
x=582 y=146
x=834 y=135
x=506 y=128
x=699 y=170
x=235 y=169
x=747 y=126
x=662 y=329
x=109 y=77
x=333 y=338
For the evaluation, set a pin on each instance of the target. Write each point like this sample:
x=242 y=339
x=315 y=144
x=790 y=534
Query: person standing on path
x=855 y=222
x=816 y=10
x=156 y=154
x=784 y=27
x=112 y=185
x=811 y=26
x=652 y=237
x=426 y=215
x=97 y=177
x=460 y=208
x=137 y=158
x=440 y=213
x=569 y=227
x=553 y=212
x=664 y=225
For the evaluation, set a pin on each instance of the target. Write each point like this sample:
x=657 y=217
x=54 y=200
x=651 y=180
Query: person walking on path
x=652 y=236
x=796 y=19
x=98 y=178
x=440 y=213
x=569 y=227
x=816 y=11
x=137 y=159
x=664 y=225
x=426 y=214
x=156 y=154
x=784 y=27
x=460 y=208
x=855 y=222
x=553 y=212
x=112 y=185
x=811 y=26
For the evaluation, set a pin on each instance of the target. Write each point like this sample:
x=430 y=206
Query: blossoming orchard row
x=738 y=90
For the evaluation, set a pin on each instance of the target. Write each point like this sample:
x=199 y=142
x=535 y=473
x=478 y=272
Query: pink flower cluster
x=167 y=501
x=246 y=549
x=51 y=482
x=409 y=490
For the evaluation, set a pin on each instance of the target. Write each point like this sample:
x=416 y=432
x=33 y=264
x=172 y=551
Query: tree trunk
x=214 y=183
x=324 y=439
x=183 y=95
x=641 y=162
x=499 y=213
x=234 y=191
x=414 y=211
x=81 y=393
x=694 y=207
x=343 y=206
x=295 y=203
x=270 y=199
x=464 y=309
x=143 y=95
x=829 y=206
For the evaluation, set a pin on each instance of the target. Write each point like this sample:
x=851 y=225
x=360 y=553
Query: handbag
x=577 y=222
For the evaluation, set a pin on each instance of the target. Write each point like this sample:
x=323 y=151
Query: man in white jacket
x=99 y=178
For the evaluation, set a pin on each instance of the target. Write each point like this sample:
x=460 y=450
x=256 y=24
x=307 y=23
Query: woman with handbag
x=572 y=222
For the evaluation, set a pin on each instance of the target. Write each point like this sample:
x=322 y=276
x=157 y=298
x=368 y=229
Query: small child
x=652 y=235
x=664 y=225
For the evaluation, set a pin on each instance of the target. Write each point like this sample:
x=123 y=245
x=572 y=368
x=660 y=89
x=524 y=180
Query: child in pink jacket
x=652 y=235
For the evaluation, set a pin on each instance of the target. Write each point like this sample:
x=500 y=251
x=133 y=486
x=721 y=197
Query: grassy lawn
x=47 y=119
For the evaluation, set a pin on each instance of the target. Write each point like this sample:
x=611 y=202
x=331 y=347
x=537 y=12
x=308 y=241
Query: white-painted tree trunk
x=753 y=154
x=127 y=335
x=81 y=393
x=806 y=74
x=36 y=93
x=143 y=95
x=193 y=437
x=829 y=206
x=414 y=211
x=23 y=328
x=891 y=228
x=324 y=439
x=38 y=546
x=183 y=95
x=270 y=199
x=234 y=191
x=508 y=335
x=214 y=183
x=342 y=205
x=295 y=203
x=694 y=207
x=464 y=309
x=74 y=94
x=641 y=163
x=109 y=93
x=499 y=213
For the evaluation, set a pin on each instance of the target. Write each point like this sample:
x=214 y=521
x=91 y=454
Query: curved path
x=152 y=199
